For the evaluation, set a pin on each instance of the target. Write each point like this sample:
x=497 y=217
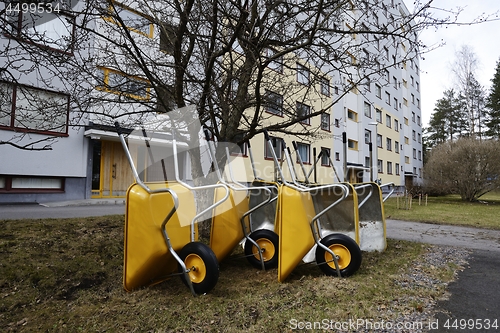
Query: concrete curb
x=86 y=202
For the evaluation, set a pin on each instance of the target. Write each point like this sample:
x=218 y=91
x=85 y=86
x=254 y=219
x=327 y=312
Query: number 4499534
x=471 y=324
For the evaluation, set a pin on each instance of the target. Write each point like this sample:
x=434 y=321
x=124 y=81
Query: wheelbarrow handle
x=266 y=135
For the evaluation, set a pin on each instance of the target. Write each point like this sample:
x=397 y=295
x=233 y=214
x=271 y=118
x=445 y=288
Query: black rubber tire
x=270 y=240
x=346 y=248
x=206 y=275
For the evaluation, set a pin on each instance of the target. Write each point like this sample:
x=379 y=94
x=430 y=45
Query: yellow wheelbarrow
x=161 y=231
x=233 y=221
x=364 y=207
x=300 y=228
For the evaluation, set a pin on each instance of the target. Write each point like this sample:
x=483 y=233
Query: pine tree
x=446 y=122
x=493 y=105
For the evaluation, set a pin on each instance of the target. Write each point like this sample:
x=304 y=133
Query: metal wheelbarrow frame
x=368 y=205
x=161 y=234
x=231 y=221
x=299 y=229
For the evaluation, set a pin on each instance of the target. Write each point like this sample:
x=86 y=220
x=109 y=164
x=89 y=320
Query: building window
x=303 y=110
x=325 y=86
x=167 y=38
x=388 y=120
x=419 y=155
x=33 y=110
x=337 y=123
x=278 y=145
x=352 y=144
x=378 y=91
x=28 y=184
x=406 y=121
x=419 y=136
x=379 y=140
x=395 y=82
x=302 y=74
x=275 y=63
x=54 y=30
x=368 y=136
x=395 y=102
x=325 y=156
x=368 y=109
x=325 y=121
x=388 y=144
x=396 y=147
x=405 y=102
x=396 y=125
x=239 y=150
x=414 y=154
x=389 y=168
x=367 y=162
x=274 y=103
x=407 y=140
x=413 y=135
x=303 y=150
x=407 y=159
x=337 y=156
x=119 y=83
x=380 y=166
x=397 y=169
x=132 y=19
x=378 y=115
x=388 y=98
x=352 y=115
x=418 y=121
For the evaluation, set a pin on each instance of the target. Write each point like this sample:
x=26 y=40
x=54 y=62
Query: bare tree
x=472 y=93
x=126 y=61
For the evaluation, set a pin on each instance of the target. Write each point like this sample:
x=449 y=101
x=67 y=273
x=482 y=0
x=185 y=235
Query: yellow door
x=115 y=174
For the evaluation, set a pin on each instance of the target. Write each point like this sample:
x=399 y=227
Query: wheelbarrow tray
x=227 y=231
x=295 y=212
x=372 y=229
x=147 y=260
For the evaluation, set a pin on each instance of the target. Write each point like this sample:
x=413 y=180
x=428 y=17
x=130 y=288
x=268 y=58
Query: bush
x=467 y=166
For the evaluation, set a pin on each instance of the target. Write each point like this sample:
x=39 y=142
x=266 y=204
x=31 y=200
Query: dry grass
x=66 y=276
x=451 y=210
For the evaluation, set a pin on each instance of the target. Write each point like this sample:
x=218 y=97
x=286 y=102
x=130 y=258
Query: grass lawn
x=66 y=276
x=451 y=210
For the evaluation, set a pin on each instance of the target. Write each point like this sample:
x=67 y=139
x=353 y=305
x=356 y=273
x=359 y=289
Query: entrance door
x=355 y=176
x=114 y=175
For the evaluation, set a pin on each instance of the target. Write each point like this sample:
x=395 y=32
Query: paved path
x=474 y=301
x=472 y=238
x=66 y=209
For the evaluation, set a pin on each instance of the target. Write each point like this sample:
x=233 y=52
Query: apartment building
x=372 y=125
x=85 y=160
x=59 y=100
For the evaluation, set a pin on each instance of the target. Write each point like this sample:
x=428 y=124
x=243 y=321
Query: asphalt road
x=474 y=304
x=58 y=211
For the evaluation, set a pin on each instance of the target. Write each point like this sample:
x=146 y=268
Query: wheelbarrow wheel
x=202 y=266
x=347 y=252
x=268 y=242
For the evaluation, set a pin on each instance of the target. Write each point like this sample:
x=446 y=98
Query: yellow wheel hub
x=267 y=248
x=342 y=253
x=196 y=267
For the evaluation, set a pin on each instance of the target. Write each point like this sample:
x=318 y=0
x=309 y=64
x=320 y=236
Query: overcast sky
x=484 y=39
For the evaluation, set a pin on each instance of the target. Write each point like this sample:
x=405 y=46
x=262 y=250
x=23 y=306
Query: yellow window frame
x=112 y=20
x=105 y=87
